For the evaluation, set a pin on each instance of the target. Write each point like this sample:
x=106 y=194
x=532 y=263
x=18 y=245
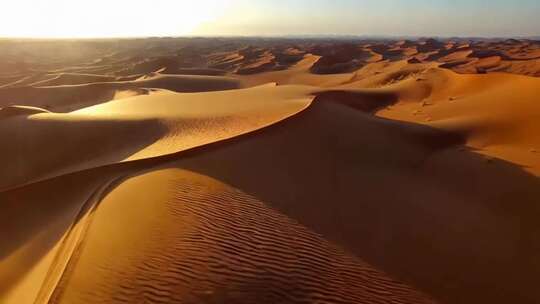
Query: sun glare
x=106 y=18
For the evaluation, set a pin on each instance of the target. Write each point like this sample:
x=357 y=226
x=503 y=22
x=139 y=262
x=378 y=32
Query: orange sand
x=272 y=171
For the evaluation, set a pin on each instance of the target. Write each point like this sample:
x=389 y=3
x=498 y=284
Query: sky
x=139 y=18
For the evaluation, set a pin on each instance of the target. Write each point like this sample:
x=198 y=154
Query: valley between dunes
x=172 y=171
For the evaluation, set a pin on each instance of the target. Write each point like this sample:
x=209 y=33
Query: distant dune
x=270 y=171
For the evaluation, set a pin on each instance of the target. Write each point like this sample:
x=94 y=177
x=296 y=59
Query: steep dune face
x=304 y=171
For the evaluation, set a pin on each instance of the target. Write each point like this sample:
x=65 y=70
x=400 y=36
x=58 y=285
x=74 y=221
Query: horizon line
x=286 y=36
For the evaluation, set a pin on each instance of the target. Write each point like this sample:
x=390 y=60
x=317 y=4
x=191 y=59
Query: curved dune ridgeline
x=210 y=172
x=153 y=125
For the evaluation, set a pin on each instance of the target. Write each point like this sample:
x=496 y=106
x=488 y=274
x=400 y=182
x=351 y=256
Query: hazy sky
x=113 y=18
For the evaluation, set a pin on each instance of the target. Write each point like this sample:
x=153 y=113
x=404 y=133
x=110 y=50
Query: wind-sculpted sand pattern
x=211 y=243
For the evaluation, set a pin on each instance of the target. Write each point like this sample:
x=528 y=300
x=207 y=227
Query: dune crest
x=20 y=110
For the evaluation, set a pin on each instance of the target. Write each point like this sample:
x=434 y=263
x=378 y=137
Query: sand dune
x=436 y=220
x=153 y=125
x=66 y=98
x=244 y=170
x=209 y=242
x=298 y=73
x=496 y=113
x=252 y=60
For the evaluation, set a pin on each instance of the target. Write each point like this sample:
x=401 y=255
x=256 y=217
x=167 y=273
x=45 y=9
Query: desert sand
x=243 y=170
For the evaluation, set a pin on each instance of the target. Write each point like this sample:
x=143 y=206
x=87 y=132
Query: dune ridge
x=153 y=125
x=219 y=240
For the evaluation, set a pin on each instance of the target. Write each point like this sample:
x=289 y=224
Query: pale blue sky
x=113 y=18
x=386 y=17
